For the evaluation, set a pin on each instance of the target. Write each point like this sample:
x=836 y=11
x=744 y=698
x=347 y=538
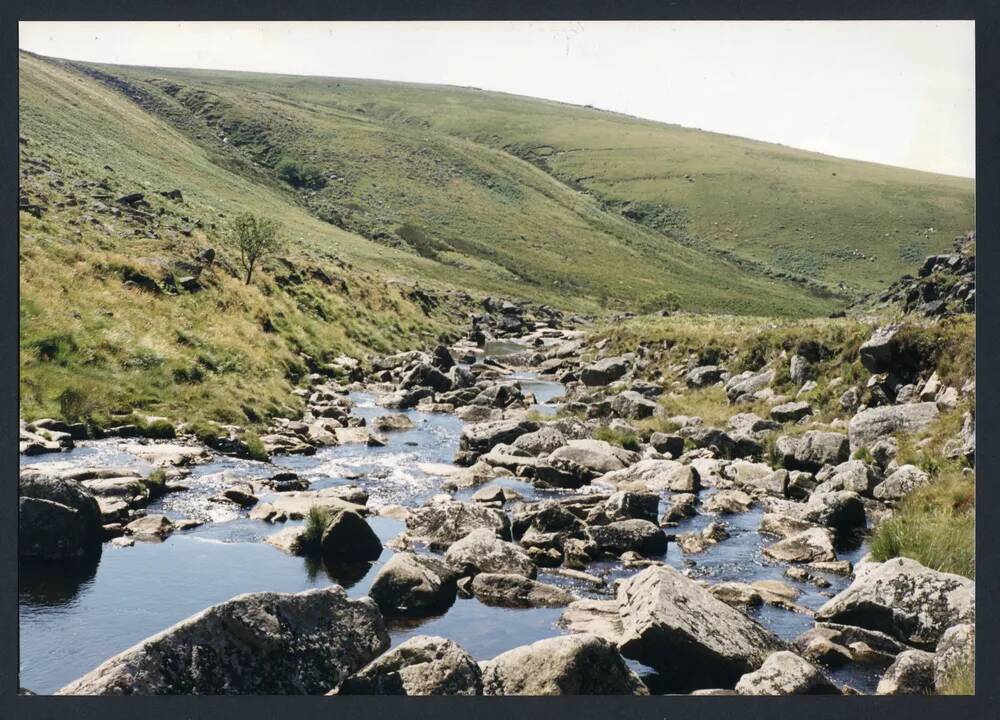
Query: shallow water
x=73 y=619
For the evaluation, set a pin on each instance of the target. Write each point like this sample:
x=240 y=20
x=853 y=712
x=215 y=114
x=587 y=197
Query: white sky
x=900 y=93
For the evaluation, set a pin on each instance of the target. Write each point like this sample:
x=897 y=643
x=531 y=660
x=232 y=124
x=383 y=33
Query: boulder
x=397 y=421
x=806 y=546
x=703 y=376
x=421 y=665
x=903 y=598
x=150 y=527
x=854 y=475
x=625 y=506
x=791 y=412
x=904 y=480
x=632 y=405
x=817 y=448
x=542 y=441
x=508 y=590
x=479 y=438
x=347 y=537
x=748 y=383
x=870 y=425
x=604 y=372
x=693 y=639
x=655 y=475
x=672 y=445
x=255 y=644
x=569 y=665
x=598 y=617
x=57 y=519
x=785 y=673
x=414 y=586
x=592 y=457
x=443 y=521
x=641 y=536
x=955 y=653
x=728 y=502
x=482 y=551
x=911 y=673
x=877 y=352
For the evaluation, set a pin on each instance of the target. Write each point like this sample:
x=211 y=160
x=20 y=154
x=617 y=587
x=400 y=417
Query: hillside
x=792 y=213
x=403 y=205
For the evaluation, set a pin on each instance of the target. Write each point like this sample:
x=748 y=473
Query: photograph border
x=984 y=704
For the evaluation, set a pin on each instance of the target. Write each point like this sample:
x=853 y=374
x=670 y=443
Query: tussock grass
x=627 y=440
x=961 y=682
x=934 y=525
x=316 y=521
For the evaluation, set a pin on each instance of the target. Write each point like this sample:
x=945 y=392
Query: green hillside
x=402 y=205
x=794 y=212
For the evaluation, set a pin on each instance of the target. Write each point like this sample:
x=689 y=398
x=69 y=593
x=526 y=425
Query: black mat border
x=986 y=13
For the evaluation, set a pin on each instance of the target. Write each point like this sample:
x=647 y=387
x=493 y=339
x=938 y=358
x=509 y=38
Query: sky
x=898 y=93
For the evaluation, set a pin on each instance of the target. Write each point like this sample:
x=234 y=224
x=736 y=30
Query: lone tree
x=257 y=238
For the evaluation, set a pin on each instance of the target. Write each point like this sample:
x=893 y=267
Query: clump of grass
x=864 y=455
x=75 y=405
x=934 y=525
x=155 y=483
x=255 y=448
x=205 y=432
x=316 y=521
x=961 y=681
x=627 y=440
x=158 y=429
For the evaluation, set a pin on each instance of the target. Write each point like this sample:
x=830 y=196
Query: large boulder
x=347 y=537
x=806 y=546
x=58 y=519
x=255 y=644
x=641 y=536
x=877 y=352
x=817 y=448
x=903 y=598
x=704 y=375
x=871 y=425
x=507 y=590
x=632 y=405
x=482 y=551
x=911 y=673
x=569 y=665
x=479 y=438
x=604 y=372
x=421 y=665
x=414 y=586
x=444 y=521
x=785 y=673
x=541 y=442
x=655 y=475
x=904 y=480
x=955 y=654
x=592 y=457
x=748 y=383
x=675 y=625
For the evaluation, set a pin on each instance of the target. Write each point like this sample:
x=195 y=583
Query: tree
x=257 y=237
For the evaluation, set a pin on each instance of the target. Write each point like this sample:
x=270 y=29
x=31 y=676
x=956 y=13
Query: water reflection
x=51 y=584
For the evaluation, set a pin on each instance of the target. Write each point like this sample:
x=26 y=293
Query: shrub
x=299 y=174
x=55 y=348
x=193 y=374
x=74 y=405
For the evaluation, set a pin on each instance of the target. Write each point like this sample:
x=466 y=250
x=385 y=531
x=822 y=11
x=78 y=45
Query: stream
x=74 y=618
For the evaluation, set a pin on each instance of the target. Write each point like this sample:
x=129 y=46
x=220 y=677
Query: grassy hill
x=381 y=188
x=798 y=214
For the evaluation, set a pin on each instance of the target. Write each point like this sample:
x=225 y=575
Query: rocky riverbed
x=486 y=542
